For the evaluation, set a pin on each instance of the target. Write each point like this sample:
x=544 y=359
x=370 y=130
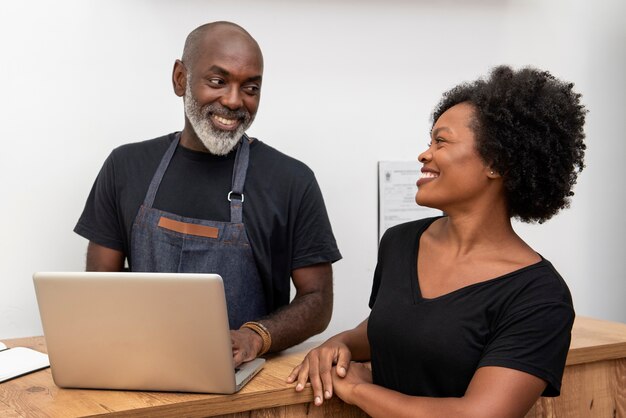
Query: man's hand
x=246 y=345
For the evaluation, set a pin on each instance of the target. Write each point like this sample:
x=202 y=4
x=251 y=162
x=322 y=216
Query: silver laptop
x=139 y=331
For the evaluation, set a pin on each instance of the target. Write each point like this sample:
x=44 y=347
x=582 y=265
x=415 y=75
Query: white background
x=347 y=83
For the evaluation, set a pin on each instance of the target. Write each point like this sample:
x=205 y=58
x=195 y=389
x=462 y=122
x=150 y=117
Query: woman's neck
x=480 y=230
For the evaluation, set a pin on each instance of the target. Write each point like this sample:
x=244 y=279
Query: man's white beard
x=217 y=141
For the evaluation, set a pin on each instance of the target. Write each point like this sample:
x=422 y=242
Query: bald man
x=210 y=199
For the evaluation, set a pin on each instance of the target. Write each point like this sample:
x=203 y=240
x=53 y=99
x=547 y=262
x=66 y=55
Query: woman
x=467 y=319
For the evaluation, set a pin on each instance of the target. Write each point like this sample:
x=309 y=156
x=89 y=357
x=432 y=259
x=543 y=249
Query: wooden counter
x=594 y=382
x=594 y=385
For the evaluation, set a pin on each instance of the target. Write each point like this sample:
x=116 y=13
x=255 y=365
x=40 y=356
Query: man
x=211 y=199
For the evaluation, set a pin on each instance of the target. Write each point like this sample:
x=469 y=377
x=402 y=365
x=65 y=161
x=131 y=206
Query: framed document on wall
x=396 y=194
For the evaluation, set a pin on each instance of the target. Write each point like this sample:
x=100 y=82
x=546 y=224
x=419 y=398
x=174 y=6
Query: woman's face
x=453 y=174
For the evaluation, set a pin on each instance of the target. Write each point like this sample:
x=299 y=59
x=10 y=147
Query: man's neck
x=190 y=140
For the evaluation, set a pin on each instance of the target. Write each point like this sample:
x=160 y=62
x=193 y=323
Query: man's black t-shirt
x=283 y=209
x=432 y=347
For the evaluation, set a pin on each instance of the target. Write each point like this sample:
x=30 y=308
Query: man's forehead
x=224 y=38
x=229 y=42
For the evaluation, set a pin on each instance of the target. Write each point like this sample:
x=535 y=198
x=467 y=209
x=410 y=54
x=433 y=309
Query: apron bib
x=166 y=242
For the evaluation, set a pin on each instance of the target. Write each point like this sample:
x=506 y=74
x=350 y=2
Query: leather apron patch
x=187 y=228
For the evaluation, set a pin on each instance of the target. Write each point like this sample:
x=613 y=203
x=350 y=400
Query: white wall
x=347 y=83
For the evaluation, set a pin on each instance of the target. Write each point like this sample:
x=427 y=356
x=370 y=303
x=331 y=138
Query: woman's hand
x=317 y=367
x=358 y=373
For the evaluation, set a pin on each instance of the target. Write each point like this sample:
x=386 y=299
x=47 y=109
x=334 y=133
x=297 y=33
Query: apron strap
x=235 y=196
x=158 y=175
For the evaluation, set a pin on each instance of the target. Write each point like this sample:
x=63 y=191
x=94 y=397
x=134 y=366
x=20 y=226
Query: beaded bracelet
x=260 y=329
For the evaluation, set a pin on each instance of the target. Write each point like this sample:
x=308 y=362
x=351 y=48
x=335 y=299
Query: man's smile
x=224 y=123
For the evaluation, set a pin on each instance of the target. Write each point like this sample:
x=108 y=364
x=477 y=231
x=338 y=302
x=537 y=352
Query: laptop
x=139 y=331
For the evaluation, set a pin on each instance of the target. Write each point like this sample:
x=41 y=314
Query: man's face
x=223 y=91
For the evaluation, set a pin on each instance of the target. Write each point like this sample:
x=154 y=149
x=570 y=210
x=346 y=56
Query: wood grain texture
x=594 y=385
x=595 y=389
x=595 y=339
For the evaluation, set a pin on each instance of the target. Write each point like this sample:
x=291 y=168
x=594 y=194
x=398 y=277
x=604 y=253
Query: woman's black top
x=432 y=347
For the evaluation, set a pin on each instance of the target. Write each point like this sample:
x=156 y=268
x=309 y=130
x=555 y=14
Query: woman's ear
x=492 y=174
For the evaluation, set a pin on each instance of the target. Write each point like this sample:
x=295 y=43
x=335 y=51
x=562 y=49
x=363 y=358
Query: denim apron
x=165 y=242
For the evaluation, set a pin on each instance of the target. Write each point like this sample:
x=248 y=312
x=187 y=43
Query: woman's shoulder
x=540 y=284
x=405 y=235
x=413 y=227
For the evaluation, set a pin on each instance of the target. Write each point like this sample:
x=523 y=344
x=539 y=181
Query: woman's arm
x=337 y=351
x=493 y=392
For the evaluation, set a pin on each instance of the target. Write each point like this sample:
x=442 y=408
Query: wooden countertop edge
x=222 y=405
x=609 y=351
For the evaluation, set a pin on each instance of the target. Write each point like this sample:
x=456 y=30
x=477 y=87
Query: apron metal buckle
x=236 y=196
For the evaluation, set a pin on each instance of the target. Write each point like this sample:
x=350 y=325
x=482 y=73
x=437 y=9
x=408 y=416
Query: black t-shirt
x=283 y=209
x=432 y=347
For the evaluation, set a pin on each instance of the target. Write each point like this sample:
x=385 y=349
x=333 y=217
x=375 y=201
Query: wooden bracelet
x=260 y=329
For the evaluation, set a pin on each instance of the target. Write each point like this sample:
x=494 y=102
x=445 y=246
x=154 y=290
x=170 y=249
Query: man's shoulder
x=147 y=149
x=269 y=158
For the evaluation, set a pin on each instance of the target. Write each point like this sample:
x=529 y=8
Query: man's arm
x=101 y=258
x=308 y=314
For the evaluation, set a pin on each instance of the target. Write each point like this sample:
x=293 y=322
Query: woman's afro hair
x=529 y=129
